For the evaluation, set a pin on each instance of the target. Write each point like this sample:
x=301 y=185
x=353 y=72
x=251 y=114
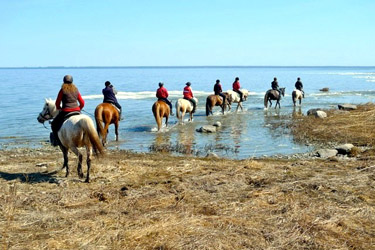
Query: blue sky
x=187 y=33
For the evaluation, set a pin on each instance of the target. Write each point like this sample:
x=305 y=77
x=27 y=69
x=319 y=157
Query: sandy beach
x=159 y=201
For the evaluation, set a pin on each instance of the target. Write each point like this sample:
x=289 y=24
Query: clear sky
x=43 y=33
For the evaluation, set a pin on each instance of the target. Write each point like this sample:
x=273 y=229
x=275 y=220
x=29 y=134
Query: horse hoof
x=87 y=181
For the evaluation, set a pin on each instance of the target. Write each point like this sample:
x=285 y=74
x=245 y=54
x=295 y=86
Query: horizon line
x=190 y=66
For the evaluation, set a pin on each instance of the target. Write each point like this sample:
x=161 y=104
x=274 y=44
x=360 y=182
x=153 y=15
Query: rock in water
x=207 y=129
x=217 y=124
x=324 y=89
x=326 y=153
x=347 y=106
x=312 y=111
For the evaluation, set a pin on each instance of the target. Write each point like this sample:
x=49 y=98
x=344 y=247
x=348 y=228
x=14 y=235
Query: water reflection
x=186 y=138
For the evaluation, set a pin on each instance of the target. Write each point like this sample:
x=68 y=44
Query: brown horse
x=273 y=95
x=108 y=114
x=216 y=100
x=161 y=110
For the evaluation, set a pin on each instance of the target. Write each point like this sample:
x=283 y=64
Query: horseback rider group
x=69 y=100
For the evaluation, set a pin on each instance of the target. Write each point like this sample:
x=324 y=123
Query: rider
x=218 y=90
x=299 y=86
x=188 y=95
x=162 y=95
x=68 y=96
x=109 y=93
x=275 y=85
x=236 y=87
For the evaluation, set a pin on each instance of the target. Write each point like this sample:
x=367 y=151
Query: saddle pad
x=67 y=116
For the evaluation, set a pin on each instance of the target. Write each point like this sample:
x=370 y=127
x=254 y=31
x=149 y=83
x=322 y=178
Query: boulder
x=312 y=111
x=344 y=149
x=347 y=107
x=207 y=129
x=320 y=114
x=212 y=155
x=324 y=89
x=217 y=124
x=327 y=153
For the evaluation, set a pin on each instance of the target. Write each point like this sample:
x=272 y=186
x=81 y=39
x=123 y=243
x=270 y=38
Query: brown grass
x=356 y=127
x=155 y=201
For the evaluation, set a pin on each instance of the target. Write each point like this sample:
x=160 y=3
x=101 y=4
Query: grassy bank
x=155 y=201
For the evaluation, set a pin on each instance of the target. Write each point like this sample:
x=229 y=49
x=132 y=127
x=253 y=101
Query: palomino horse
x=273 y=95
x=77 y=131
x=297 y=95
x=108 y=114
x=235 y=98
x=161 y=110
x=216 y=100
x=183 y=106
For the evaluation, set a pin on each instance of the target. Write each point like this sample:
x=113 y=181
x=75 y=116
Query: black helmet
x=161 y=84
x=217 y=81
x=298 y=78
x=275 y=78
x=188 y=83
x=237 y=78
x=68 y=79
x=107 y=83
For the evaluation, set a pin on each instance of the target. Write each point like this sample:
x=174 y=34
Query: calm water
x=252 y=132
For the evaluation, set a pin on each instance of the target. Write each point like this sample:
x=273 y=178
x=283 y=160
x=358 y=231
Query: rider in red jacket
x=162 y=94
x=188 y=95
x=236 y=87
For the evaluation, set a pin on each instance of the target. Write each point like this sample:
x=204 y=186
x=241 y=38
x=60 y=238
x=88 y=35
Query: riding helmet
x=217 y=80
x=68 y=79
x=107 y=83
x=188 y=83
x=161 y=84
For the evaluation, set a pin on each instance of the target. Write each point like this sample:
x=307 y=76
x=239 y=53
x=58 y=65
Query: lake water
x=252 y=132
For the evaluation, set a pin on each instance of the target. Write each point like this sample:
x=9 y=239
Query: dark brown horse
x=106 y=113
x=216 y=100
x=273 y=95
x=161 y=110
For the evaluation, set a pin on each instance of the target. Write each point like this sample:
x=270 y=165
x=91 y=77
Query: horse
x=235 y=98
x=216 y=100
x=273 y=95
x=297 y=95
x=161 y=110
x=108 y=114
x=77 y=131
x=183 y=106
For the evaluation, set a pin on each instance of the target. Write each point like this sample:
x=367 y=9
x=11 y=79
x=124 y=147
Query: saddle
x=67 y=116
x=118 y=110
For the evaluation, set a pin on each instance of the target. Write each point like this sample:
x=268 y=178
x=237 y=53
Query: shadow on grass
x=30 y=177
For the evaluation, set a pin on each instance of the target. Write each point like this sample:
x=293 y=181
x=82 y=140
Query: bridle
x=47 y=115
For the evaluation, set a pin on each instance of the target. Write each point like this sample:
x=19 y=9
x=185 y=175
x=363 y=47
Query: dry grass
x=155 y=201
x=356 y=127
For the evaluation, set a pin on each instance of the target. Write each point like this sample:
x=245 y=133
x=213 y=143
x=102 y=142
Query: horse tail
x=99 y=120
x=208 y=106
x=266 y=100
x=156 y=111
x=89 y=129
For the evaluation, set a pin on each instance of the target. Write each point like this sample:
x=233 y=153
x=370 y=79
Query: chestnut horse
x=77 y=131
x=106 y=113
x=216 y=100
x=161 y=110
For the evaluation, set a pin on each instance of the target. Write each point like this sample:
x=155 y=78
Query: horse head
x=282 y=90
x=48 y=112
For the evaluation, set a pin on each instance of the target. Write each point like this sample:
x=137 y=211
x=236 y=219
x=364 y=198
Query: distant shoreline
x=183 y=67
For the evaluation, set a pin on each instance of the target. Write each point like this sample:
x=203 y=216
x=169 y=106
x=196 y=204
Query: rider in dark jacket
x=299 y=86
x=275 y=85
x=218 y=90
x=110 y=95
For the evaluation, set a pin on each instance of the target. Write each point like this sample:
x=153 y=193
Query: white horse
x=297 y=95
x=235 y=98
x=77 y=131
x=183 y=106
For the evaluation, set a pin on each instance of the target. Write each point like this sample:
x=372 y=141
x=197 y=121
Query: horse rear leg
x=105 y=133
x=116 y=130
x=65 y=154
x=88 y=162
x=79 y=167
